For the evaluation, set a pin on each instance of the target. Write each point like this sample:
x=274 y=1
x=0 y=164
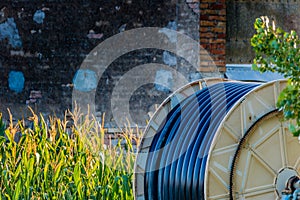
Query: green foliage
x=278 y=51
x=2 y=126
x=51 y=161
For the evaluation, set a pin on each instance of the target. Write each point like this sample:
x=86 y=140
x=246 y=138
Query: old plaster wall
x=43 y=44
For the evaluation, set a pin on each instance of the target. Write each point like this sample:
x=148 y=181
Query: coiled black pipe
x=175 y=167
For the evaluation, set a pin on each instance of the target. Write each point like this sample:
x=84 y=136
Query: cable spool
x=198 y=147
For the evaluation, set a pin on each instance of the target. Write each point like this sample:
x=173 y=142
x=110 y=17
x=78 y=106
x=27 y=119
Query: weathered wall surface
x=241 y=16
x=43 y=44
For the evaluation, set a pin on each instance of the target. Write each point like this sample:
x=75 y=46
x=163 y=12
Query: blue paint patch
x=163 y=80
x=171 y=35
x=8 y=30
x=195 y=76
x=39 y=16
x=172 y=25
x=16 y=81
x=169 y=59
x=85 y=80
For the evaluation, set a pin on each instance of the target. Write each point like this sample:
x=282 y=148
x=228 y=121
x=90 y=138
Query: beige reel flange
x=253 y=154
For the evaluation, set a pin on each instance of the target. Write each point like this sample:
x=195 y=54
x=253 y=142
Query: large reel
x=244 y=151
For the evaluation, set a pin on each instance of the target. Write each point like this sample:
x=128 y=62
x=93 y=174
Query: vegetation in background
x=57 y=159
x=278 y=51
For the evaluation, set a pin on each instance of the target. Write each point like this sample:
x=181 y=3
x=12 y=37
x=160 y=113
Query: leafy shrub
x=279 y=51
x=56 y=160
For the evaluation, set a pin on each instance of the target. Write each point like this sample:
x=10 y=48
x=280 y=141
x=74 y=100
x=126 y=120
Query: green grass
x=64 y=160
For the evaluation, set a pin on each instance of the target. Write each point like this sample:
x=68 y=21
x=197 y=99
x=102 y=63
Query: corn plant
x=55 y=160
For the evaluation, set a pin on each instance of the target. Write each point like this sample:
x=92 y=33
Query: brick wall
x=213 y=35
x=48 y=40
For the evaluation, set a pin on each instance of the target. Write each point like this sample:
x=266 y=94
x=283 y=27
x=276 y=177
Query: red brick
x=222 y=12
x=223 y=41
x=204 y=17
x=220 y=57
x=204 y=5
x=208 y=1
x=213 y=35
x=214 y=46
x=207 y=35
x=209 y=12
x=217 y=17
x=205 y=57
x=221 y=24
x=218 y=30
x=204 y=40
x=220 y=63
x=222 y=36
x=217 y=6
x=221 y=46
x=204 y=29
x=207 y=23
x=218 y=51
x=207 y=63
x=222 y=69
x=205 y=46
x=203 y=51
